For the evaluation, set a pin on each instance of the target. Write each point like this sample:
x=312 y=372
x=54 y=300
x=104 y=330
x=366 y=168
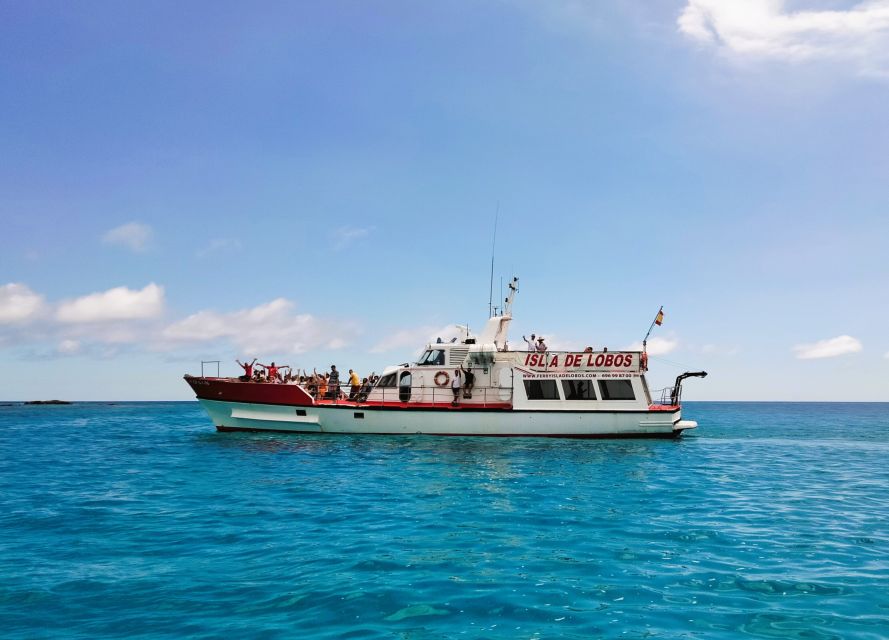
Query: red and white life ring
x=643 y=360
x=442 y=378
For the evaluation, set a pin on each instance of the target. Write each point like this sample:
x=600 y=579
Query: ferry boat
x=562 y=394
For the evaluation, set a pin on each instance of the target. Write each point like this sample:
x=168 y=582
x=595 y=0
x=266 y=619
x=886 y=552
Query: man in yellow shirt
x=355 y=385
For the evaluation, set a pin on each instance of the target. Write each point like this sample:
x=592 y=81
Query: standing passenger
x=530 y=343
x=333 y=382
x=354 y=384
x=456 y=383
x=322 y=386
x=468 y=381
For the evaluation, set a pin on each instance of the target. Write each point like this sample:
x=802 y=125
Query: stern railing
x=209 y=362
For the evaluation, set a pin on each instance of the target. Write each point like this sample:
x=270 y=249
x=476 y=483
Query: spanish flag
x=659 y=320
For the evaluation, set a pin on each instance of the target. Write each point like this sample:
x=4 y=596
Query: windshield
x=432 y=357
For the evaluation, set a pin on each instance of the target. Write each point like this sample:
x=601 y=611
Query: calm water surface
x=139 y=520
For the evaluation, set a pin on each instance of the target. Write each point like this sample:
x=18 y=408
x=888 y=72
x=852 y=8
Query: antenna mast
x=491 y=284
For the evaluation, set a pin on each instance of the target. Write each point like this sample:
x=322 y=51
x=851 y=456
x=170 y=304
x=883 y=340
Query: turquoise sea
x=139 y=520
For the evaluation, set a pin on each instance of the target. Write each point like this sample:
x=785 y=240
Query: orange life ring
x=445 y=381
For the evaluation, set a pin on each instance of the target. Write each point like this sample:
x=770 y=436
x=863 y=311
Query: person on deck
x=312 y=383
x=531 y=343
x=354 y=384
x=366 y=386
x=248 y=370
x=541 y=345
x=468 y=381
x=272 y=371
x=322 y=387
x=456 y=383
x=333 y=382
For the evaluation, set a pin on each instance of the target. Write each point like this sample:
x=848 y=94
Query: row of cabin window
x=579 y=390
x=546 y=389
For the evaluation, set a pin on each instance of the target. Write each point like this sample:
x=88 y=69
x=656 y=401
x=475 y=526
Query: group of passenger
x=328 y=386
x=258 y=372
x=535 y=343
x=321 y=385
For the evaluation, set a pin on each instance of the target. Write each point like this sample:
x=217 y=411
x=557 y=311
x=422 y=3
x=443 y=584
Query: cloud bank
x=829 y=348
x=766 y=29
x=267 y=328
x=119 y=303
x=18 y=303
x=123 y=317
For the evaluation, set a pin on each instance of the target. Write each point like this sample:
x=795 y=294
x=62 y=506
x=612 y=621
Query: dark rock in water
x=48 y=402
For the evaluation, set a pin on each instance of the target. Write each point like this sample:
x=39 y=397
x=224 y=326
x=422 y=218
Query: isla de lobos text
x=623 y=361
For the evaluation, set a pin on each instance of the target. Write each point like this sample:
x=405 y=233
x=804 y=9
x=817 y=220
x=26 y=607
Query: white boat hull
x=351 y=419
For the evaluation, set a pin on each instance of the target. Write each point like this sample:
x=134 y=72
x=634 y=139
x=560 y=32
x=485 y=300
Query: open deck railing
x=481 y=396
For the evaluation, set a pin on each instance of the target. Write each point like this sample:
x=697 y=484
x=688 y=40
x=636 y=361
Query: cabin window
x=616 y=390
x=432 y=357
x=578 y=390
x=387 y=381
x=541 y=390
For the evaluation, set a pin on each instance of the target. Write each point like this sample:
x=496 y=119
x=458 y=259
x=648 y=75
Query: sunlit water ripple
x=139 y=520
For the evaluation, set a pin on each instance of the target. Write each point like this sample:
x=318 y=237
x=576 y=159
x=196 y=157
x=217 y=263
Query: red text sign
x=622 y=361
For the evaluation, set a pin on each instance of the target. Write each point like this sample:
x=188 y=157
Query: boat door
x=504 y=381
x=404 y=386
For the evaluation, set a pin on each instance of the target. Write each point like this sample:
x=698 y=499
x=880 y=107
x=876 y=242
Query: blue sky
x=316 y=183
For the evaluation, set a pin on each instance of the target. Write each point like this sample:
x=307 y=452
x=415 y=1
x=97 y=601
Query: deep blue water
x=140 y=520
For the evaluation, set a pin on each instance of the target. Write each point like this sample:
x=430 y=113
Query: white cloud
x=720 y=350
x=132 y=235
x=219 y=245
x=344 y=236
x=263 y=330
x=119 y=303
x=18 y=303
x=68 y=347
x=765 y=29
x=415 y=339
x=886 y=355
x=657 y=346
x=105 y=322
x=829 y=348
